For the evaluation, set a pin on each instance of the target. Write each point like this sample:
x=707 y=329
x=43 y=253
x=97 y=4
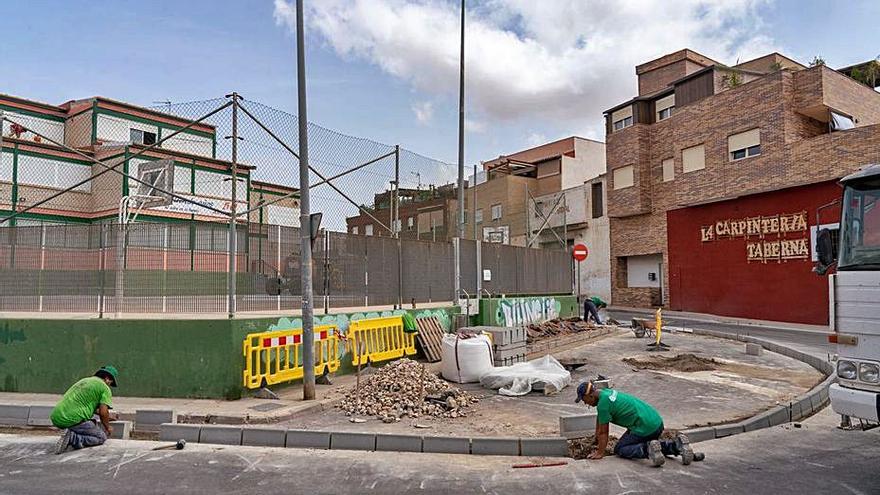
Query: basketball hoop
x=155 y=179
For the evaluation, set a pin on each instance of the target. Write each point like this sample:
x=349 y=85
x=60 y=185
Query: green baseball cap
x=110 y=370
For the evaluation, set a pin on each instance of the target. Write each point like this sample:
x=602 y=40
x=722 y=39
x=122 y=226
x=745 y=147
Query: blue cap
x=582 y=391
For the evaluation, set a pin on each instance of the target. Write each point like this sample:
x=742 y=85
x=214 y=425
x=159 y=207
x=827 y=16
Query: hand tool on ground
x=177 y=446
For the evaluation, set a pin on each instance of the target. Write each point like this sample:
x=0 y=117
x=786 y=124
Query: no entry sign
x=580 y=252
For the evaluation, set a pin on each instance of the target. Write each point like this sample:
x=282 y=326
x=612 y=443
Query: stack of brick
x=508 y=344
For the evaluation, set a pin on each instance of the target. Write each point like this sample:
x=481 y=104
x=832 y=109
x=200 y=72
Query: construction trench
x=700 y=381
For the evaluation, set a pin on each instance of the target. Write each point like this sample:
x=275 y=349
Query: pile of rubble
x=403 y=389
x=555 y=327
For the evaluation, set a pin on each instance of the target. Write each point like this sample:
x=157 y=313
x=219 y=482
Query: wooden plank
x=430 y=338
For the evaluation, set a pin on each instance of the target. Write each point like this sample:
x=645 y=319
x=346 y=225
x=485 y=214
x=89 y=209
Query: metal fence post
x=326 y=243
x=456 y=250
x=308 y=345
x=397 y=226
x=479 y=267
x=102 y=267
x=233 y=237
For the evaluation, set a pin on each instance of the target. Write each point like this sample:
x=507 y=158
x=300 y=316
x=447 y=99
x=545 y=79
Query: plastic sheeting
x=466 y=360
x=519 y=379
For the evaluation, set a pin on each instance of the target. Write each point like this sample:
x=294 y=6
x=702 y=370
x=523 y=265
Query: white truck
x=855 y=297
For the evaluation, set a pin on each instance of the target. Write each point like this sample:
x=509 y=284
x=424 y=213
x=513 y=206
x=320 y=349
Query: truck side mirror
x=824 y=251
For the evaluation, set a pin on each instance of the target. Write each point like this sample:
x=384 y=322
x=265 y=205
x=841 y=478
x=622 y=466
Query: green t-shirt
x=598 y=301
x=627 y=411
x=80 y=402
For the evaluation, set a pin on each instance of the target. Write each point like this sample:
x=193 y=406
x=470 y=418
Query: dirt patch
x=580 y=448
x=681 y=362
x=557 y=327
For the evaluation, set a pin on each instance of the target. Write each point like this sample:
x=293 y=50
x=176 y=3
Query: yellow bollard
x=658 y=324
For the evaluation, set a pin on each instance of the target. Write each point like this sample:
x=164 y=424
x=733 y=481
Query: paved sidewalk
x=243 y=411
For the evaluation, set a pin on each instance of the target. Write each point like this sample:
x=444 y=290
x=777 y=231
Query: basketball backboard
x=157 y=177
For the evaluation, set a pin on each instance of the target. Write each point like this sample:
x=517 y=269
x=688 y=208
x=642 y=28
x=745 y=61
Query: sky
x=387 y=70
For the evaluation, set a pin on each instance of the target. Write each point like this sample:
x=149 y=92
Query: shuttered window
x=693 y=159
x=744 y=144
x=668 y=170
x=622 y=118
x=623 y=177
x=664 y=107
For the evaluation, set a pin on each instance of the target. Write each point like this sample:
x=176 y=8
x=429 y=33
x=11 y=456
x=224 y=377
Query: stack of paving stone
x=508 y=343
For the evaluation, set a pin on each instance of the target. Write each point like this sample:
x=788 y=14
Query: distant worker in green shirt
x=591 y=308
x=75 y=412
x=643 y=427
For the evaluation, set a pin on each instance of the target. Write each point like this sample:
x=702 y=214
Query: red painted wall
x=716 y=277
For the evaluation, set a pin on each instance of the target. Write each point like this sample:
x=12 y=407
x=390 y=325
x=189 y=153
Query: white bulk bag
x=466 y=360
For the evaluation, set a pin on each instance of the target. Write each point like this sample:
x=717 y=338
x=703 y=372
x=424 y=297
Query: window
x=466 y=216
x=668 y=169
x=624 y=177
x=622 y=118
x=142 y=137
x=596 y=200
x=693 y=159
x=496 y=212
x=623 y=123
x=479 y=216
x=354 y=230
x=368 y=230
x=744 y=145
x=664 y=107
x=410 y=223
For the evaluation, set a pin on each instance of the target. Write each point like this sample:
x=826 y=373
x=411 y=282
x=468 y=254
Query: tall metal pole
x=233 y=248
x=474 y=186
x=305 y=224
x=460 y=229
x=398 y=226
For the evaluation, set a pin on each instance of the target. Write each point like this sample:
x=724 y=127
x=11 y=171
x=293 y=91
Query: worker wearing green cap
x=75 y=412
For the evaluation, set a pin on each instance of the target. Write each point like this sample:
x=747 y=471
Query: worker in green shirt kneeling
x=75 y=412
x=643 y=427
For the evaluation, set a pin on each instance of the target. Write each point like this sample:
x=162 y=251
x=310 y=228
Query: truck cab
x=855 y=297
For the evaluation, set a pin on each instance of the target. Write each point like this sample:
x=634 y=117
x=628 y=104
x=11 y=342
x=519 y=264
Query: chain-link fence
x=112 y=208
x=182 y=268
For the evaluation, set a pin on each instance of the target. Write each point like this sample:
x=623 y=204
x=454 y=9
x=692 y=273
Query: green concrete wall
x=155 y=358
x=513 y=311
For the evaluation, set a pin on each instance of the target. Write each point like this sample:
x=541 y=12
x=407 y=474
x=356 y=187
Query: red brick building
x=715 y=176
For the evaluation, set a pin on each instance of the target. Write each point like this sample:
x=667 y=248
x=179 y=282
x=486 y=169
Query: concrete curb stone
x=308 y=439
x=171 y=432
x=398 y=443
x=727 y=430
x=700 y=434
x=39 y=416
x=151 y=419
x=352 y=441
x=581 y=422
x=224 y=435
x=121 y=430
x=14 y=415
x=446 y=445
x=263 y=437
x=546 y=447
x=495 y=446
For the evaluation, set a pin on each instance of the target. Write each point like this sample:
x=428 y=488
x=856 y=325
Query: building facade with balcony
x=424 y=214
x=718 y=177
x=33 y=168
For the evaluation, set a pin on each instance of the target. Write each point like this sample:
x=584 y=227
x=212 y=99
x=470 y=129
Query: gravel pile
x=397 y=390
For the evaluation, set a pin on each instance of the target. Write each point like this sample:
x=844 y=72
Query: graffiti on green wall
x=343 y=320
x=527 y=310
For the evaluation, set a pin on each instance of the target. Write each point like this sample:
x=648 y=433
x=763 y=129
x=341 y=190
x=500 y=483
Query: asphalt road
x=816 y=458
x=806 y=341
